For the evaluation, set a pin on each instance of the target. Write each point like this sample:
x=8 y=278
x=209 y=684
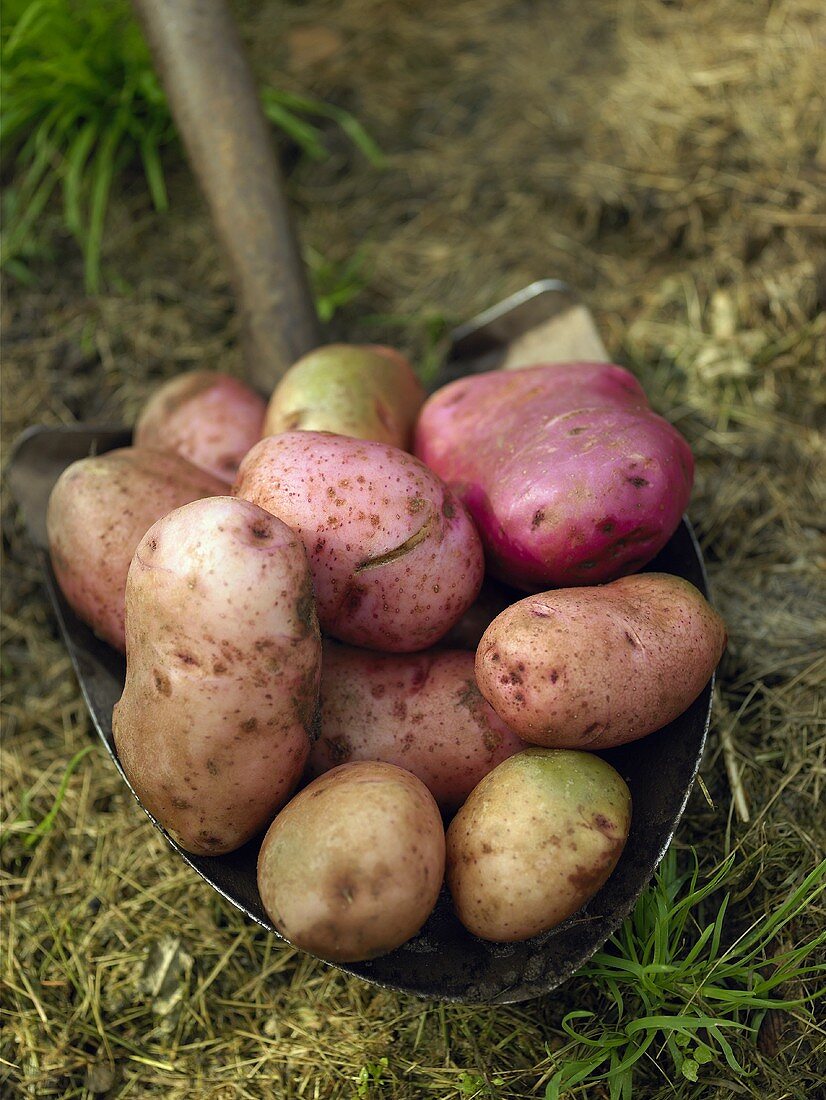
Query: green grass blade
x=358 y=135
x=75 y=162
x=24 y=27
x=101 y=184
x=46 y=825
x=14 y=238
x=728 y=1053
x=154 y=172
x=682 y=1023
x=302 y=133
x=293 y=102
x=714 y=946
x=18 y=270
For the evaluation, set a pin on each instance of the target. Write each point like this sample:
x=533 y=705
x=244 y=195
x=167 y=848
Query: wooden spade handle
x=212 y=95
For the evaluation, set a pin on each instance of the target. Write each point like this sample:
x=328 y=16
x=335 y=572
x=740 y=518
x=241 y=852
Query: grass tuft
x=81 y=104
x=674 y=993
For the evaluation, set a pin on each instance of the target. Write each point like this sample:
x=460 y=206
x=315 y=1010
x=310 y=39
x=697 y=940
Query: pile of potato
x=322 y=596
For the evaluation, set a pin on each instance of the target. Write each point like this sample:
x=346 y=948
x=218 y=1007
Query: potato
x=421 y=711
x=568 y=474
x=365 y=391
x=535 y=840
x=590 y=668
x=396 y=560
x=352 y=867
x=209 y=418
x=98 y=511
x=223 y=656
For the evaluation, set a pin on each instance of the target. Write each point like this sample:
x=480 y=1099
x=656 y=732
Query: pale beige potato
x=362 y=390
x=222 y=667
x=421 y=711
x=535 y=841
x=99 y=510
x=351 y=868
x=596 y=667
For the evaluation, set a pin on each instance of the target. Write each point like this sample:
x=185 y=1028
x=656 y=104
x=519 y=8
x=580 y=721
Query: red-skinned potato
x=535 y=841
x=351 y=868
x=211 y=419
x=222 y=666
x=395 y=558
x=567 y=472
x=421 y=711
x=365 y=391
x=99 y=510
x=591 y=668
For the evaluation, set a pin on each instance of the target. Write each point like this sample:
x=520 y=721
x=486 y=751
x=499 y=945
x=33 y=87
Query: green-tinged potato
x=422 y=711
x=211 y=419
x=535 y=841
x=590 y=668
x=223 y=656
x=365 y=391
x=99 y=510
x=351 y=868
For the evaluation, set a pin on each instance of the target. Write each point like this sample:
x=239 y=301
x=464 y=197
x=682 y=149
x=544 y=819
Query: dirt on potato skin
x=663 y=157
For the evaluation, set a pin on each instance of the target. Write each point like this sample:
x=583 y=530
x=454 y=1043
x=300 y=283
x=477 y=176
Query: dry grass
x=668 y=158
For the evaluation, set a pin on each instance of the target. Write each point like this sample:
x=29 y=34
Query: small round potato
x=422 y=711
x=365 y=391
x=396 y=560
x=535 y=841
x=99 y=510
x=209 y=418
x=223 y=657
x=351 y=868
x=590 y=668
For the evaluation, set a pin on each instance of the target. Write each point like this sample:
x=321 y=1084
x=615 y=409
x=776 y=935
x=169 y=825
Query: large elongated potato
x=591 y=668
x=364 y=391
x=396 y=560
x=568 y=473
x=222 y=666
x=211 y=419
x=99 y=510
x=352 y=867
x=535 y=840
x=422 y=711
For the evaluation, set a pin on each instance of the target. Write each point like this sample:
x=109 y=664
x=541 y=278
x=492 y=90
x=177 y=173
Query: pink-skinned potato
x=590 y=668
x=351 y=868
x=535 y=841
x=223 y=657
x=396 y=560
x=209 y=418
x=99 y=510
x=421 y=711
x=569 y=475
x=365 y=391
